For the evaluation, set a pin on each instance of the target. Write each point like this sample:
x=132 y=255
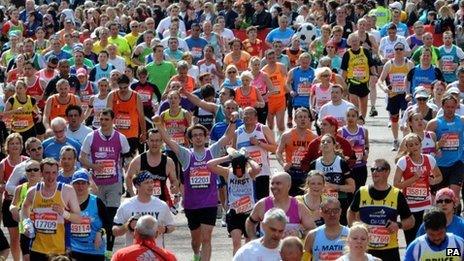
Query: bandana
x=447 y=193
x=141 y=177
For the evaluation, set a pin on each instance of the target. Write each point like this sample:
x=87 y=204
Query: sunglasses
x=421 y=99
x=325 y=75
x=378 y=169
x=446 y=200
x=399 y=49
x=36 y=149
x=33 y=169
x=230 y=72
x=326 y=142
x=332 y=211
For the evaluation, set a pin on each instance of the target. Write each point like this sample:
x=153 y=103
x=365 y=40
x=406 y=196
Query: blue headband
x=141 y=177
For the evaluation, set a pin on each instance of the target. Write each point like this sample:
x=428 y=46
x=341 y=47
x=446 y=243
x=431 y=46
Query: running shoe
x=373 y=112
x=395 y=145
x=223 y=221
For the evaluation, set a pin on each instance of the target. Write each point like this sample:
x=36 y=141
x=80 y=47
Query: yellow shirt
x=97 y=48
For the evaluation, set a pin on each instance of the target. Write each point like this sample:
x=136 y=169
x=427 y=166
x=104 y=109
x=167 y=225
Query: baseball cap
x=52 y=59
x=453 y=90
x=421 y=94
x=81 y=71
x=331 y=120
x=396 y=5
x=80 y=175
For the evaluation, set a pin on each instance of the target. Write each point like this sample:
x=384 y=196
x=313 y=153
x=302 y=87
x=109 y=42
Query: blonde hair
x=356 y=226
x=11 y=137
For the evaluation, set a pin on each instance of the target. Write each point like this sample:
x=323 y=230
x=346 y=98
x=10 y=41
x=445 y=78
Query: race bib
x=123 y=122
x=298 y=156
x=243 y=204
x=200 y=178
x=144 y=96
x=81 y=230
x=46 y=223
x=359 y=152
x=330 y=255
x=20 y=124
x=379 y=236
x=256 y=156
x=304 y=89
x=448 y=64
x=331 y=193
x=359 y=73
x=109 y=169
x=157 y=188
x=451 y=141
x=397 y=82
x=417 y=192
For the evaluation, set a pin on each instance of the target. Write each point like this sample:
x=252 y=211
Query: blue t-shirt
x=417 y=250
x=401 y=29
x=61 y=55
x=219 y=129
x=196 y=46
x=456 y=227
x=51 y=148
x=284 y=36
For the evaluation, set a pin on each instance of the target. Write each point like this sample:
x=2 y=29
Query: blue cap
x=80 y=175
x=52 y=58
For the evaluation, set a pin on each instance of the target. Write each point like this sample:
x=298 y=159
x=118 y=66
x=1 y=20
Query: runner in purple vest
x=200 y=193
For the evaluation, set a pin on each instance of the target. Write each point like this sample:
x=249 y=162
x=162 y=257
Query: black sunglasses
x=33 y=169
x=399 y=49
x=446 y=200
x=378 y=169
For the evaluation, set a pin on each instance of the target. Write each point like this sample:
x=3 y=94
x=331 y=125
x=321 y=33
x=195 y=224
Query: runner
x=49 y=204
x=357 y=242
x=97 y=103
x=314 y=195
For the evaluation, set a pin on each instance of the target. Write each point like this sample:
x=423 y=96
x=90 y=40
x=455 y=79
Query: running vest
x=453 y=135
x=259 y=83
x=49 y=226
x=396 y=77
x=293 y=213
x=145 y=92
x=106 y=151
x=327 y=249
x=245 y=100
x=47 y=76
x=449 y=61
x=159 y=175
x=333 y=173
x=98 y=106
x=126 y=115
x=358 y=143
x=296 y=150
x=204 y=117
x=258 y=154
x=418 y=194
x=200 y=184
x=58 y=109
x=375 y=214
x=277 y=80
x=423 y=77
x=176 y=125
x=36 y=90
x=301 y=84
x=22 y=120
x=423 y=251
x=8 y=167
x=321 y=96
x=83 y=234
x=428 y=144
x=22 y=197
x=240 y=192
x=102 y=73
x=85 y=94
x=358 y=66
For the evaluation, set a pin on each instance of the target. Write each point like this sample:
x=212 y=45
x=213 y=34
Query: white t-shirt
x=166 y=22
x=182 y=44
x=387 y=47
x=228 y=35
x=79 y=134
x=255 y=251
x=119 y=63
x=337 y=111
x=156 y=207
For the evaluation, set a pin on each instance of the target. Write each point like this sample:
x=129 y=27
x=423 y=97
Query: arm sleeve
x=86 y=143
x=403 y=208
x=432 y=161
x=120 y=218
x=184 y=157
x=438 y=74
x=345 y=169
x=460 y=53
x=401 y=164
x=157 y=92
x=105 y=218
x=355 y=203
x=124 y=144
x=345 y=59
x=409 y=256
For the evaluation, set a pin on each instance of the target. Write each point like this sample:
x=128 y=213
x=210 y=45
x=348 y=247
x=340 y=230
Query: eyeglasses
x=421 y=99
x=446 y=201
x=36 y=149
x=331 y=211
x=399 y=49
x=32 y=169
x=378 y=169
x=325 y=75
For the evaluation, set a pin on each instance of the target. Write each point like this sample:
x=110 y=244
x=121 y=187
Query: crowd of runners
x=118 y=115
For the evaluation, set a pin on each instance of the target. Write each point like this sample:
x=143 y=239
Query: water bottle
x=29 y=230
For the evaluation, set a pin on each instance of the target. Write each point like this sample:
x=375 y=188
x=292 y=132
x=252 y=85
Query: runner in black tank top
x=160 y=176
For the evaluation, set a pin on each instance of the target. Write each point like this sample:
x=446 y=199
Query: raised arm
x=215 y=166
x=208 y=106
x=172 y=144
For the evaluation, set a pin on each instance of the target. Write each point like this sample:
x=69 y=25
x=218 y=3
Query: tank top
x=85 y=95
x=293 y=213
x=258 y=154
x=189 y=84
x=22 y=120
x=176 y=125
x=396 y=76
x=8 y=167
x=249 y=99
x=102 y=73
x=49 y=226
x=328 y=249
x=126 y=116
x=296 y=150
x=312 y=212
x=358 y=143
x=36 y=90
x=159 y=175
x=293 y=55
x=84 y=233
x=58 y=109
x=47 y=76
x=358 y=66
x=375 y=214
x=200 y=184
x=428 y=144
x=321 y=96
x=425 y=252
x=415 y=41
x=240 y=192
x=22 y=197
x=145 y=92
x=98 y=106
x=452 y=132
x=260 y=85
x=449 y=61
x=106 y=151
x=277 y=80
x=333 y=173
x=302 y=84
x=418 y=194
x=423 y=77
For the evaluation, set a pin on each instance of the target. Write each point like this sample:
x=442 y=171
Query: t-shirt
x=255 y=251
x=86 y=145
x=456 y=227
x=159 y=74
x=51 y=147
x=79 y=134
x=280 y=35
x=156 y=208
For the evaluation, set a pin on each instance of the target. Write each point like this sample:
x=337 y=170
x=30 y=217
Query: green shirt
x=383 y=15
x=160 y=74
x=435 y=55
x=123 y=47
x=87 y=62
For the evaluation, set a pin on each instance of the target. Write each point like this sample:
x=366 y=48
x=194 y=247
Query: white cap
x=396 y=5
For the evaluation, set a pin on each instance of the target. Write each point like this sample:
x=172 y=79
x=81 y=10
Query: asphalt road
x=179 y=240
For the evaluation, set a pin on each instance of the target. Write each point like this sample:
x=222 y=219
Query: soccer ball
x=306 y=33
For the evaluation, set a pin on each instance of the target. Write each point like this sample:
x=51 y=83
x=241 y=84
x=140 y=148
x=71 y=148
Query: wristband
x=66 y=214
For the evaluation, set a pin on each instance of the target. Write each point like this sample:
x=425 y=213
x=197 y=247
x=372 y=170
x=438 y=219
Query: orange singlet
x=59 y=109
x=126 y=115
x=276 y=100
x=249 y=99
x=296 y=150
x=189 y=85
